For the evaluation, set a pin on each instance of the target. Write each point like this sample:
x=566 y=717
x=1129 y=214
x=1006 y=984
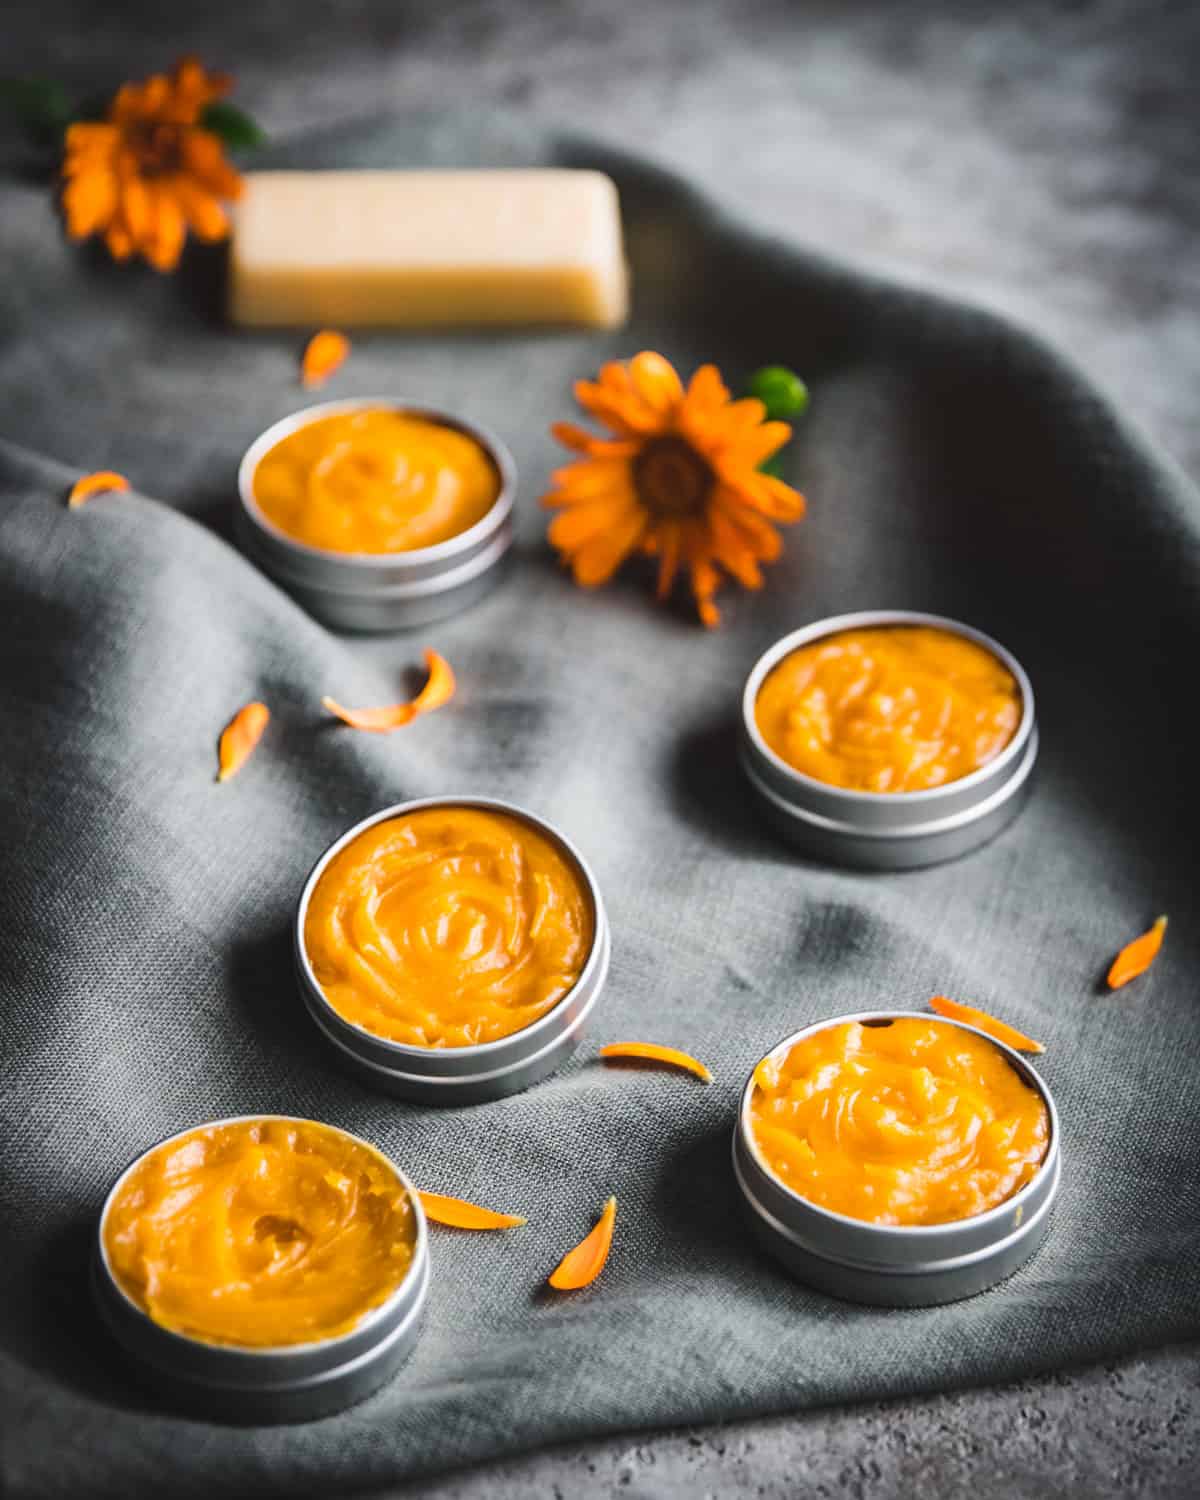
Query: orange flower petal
x=770 y=496
x=574 y=528
x=625 y=414
x=580 y=440
x=102 y=482
x=204 y=213
x=120 y=245
x=591 y=476
x=1136 y=957
x=580 y=1267
x=656 y=382
x=705 y=582
x=91 y=136
x=325 y=352
x=239 y=738
x=733 y=550
x=438 y=689
x=89 y=202
x=137 y=210
x=203 y=156
x=170 y=231
x=459 y=1214
x=600 y=556
x=980 y=1019
x=706 y=390
x=750 y=448
x=652 y=1052
x=759 y=534
x=669 y=547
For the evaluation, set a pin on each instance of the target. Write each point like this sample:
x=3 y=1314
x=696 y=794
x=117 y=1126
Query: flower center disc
x=158 y=147
x=671 y=477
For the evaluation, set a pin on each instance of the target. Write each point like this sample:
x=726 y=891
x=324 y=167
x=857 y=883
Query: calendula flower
x=150 y=171
x=677 y=477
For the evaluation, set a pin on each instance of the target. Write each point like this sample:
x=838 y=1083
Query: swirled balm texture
x=911 y=1122
x=448 y=927
x=260 y=1233
x=375 y=480
x=890 y=708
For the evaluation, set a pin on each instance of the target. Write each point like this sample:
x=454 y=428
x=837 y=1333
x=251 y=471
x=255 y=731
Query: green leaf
x=235 y=128
x=781 y=391
x=40 y=104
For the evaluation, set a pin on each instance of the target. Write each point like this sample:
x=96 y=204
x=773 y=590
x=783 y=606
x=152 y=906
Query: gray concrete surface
x=1041 y=158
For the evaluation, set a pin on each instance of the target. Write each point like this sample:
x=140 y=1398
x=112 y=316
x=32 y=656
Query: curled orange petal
x=239 y=738
x=652 y=1052
x=438 y=689
x=980 y=1019
x=580 y=1267
x=325 y=352
x=103 y=482
x=1136 y=957
x=459 y=1214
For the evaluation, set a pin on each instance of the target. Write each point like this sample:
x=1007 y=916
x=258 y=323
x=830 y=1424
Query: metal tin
x=894 y=1265
x=461 y=1075
x=380 y=591
x=287 y=1383
x=888 y=830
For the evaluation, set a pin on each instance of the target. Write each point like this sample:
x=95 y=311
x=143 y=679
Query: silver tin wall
x=385 y=591
x=461 y=1075
x=880 y=830
x=289 y=1383
x=894 y=1265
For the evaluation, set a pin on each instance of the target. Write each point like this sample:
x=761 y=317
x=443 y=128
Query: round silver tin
x=894 y=1265
x=362 y=591
x=887 y=830
x=461 y=1075
x=288 y=1383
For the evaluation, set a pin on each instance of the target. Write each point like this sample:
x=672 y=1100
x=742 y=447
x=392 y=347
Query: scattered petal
x=325 y=352
x=103 y=482
x=438 y=689
x=651 y=1052
x=239 y=738
x=1136 y=957
x=580 y=1267
x=980 y=1019
x=459 y=1214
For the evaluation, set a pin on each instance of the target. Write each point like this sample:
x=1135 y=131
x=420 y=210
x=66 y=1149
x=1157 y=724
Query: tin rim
x=852 y=796
x=405 y=1051
x=497 y=452
x=907 y=1234
x=414 y=1276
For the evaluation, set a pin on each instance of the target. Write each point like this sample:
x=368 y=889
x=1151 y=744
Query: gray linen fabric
x=952 y=464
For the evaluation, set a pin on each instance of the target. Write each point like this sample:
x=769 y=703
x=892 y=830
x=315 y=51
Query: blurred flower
x=150 y=170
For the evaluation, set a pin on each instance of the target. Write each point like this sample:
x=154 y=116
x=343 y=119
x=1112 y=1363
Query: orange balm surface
x=448 y=927
x=913 y=1122
x=375 y=480
x=261 y=1233
x=891 y=708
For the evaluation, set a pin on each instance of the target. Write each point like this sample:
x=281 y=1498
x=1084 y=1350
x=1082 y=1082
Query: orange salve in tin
x=375 y=480
x=260 y=1232
x=889 y=708
x=448 y=927
x=911 y=1121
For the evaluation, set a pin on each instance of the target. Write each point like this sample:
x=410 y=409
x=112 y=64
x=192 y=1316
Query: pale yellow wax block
x=346 y=249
